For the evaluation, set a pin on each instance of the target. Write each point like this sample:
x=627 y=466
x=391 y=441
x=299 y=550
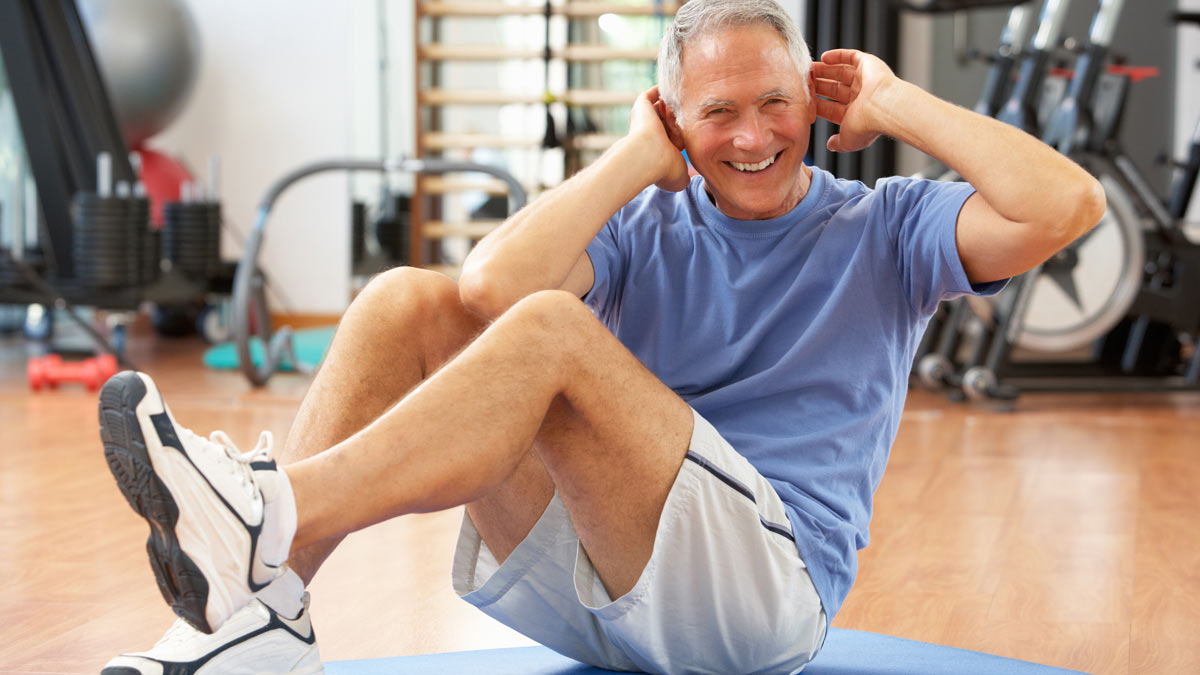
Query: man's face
x=746 y=116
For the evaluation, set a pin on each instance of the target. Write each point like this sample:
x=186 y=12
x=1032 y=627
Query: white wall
x=916 y=66
x=283 y=83
x=1187 y=94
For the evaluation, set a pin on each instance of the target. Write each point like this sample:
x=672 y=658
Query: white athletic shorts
x=725 y=590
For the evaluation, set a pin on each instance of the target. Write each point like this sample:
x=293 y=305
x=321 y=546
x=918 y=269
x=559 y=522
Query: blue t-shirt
x=793 y=336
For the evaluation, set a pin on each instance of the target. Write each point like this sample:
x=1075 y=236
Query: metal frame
x=1012 y=43
x=1021 y=108
x=249 y=299
x=1070 y=127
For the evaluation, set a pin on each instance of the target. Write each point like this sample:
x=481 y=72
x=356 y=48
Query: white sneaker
x=254 y=640
x=221 y=522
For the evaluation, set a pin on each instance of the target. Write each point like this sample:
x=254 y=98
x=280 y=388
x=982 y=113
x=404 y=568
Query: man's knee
x=554 y=310
x=417 y=306
x=408 y=288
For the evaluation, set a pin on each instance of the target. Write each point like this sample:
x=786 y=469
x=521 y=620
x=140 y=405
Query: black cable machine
x=67 y=122
x=95 y=245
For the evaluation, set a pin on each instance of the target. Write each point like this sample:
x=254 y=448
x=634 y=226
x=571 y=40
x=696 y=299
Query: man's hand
x=850 y=85
x=653 y=128
x=544 y=245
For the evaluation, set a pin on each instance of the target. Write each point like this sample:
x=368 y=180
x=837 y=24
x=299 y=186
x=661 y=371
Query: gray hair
x=697 y=18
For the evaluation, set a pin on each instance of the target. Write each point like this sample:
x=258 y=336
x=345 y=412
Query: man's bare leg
x=463 y=433
x=404 y=325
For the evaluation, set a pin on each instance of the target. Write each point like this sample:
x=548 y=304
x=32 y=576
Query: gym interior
x=1040 y=501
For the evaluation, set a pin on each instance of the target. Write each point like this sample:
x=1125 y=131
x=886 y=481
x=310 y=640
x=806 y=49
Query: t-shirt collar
x=758 y=228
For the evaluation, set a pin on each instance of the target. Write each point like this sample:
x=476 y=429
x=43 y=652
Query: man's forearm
x=538 y=247
x=1020 y=177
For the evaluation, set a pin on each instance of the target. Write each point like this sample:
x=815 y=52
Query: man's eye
x=718 y=111
x=776 y=101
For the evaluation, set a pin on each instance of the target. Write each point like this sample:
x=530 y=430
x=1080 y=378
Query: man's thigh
x=724 y=591
x=610 y=445
x=504 y=517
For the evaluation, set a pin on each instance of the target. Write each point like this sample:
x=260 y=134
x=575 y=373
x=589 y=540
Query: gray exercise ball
x=149 y=53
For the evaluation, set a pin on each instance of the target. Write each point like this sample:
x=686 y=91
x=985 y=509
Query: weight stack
x=11 y=276
x=191 y=238
x=214 y=240
x=110 y=239
x=393 y=233
x=151 y=249
x=152 y=256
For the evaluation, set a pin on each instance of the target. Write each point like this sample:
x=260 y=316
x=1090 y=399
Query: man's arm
x=1030 y=200
x=543 y=245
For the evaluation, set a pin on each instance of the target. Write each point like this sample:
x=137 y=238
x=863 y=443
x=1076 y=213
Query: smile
x=751 y=168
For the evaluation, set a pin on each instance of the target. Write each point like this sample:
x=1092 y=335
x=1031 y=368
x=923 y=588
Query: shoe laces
x=260 y=451
x=239 y=464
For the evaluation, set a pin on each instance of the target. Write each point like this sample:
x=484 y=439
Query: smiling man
x=666 y=403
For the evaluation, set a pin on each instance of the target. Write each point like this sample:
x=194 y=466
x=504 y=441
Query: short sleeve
x=605 y=255
x=921 y=217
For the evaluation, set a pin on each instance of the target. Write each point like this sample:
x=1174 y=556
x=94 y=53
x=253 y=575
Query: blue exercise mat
x=846 y=652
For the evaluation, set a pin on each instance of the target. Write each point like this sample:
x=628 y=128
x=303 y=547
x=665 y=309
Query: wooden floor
x=1066 y=532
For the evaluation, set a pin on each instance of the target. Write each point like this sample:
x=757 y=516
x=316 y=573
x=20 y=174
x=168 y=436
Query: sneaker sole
x=180 y=580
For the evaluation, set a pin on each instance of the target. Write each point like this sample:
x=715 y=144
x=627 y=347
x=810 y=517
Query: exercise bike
x=1025 y=104
x=940 y=337
x=1147 y=267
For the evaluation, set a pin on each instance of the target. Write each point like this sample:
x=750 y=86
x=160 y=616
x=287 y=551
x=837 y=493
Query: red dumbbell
x=49 y=371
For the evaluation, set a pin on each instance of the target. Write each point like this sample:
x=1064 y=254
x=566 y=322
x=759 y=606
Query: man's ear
x=811 y=110
x=674 y=131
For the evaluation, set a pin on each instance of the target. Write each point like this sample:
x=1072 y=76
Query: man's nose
x=752 y=133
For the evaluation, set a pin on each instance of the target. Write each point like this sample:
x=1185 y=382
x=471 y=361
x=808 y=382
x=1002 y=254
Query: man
x=699 y=513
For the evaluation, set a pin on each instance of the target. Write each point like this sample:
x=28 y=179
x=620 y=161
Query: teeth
x=754 y=167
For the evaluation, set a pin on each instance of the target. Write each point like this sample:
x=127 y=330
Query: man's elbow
x=1089 y=203
x=483 y=293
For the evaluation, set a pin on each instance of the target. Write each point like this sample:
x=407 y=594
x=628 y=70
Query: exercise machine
x=1021 y=108
x=94 y=245
x=1143 y=328
x=1128 y=285
x=940 y=336
x=956 y=327
x=250 y=319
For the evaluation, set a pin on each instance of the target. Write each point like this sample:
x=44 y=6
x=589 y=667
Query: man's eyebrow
x=778 y=93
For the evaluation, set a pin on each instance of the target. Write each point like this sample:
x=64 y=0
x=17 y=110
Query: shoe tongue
x=261 y=450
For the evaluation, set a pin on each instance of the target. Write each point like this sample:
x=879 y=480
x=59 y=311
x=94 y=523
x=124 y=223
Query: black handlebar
x=953 y=5
x=1186 y=17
